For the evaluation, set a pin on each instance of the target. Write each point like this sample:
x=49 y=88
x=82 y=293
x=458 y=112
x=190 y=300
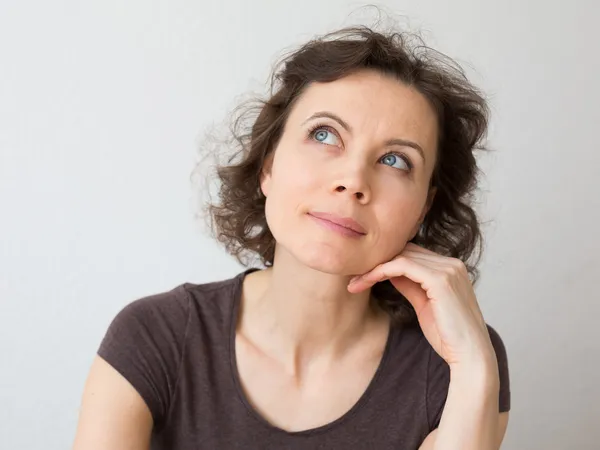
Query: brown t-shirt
x=177 y=349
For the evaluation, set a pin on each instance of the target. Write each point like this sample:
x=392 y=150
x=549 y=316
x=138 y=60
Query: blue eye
x=321 y=134
x=391 y=159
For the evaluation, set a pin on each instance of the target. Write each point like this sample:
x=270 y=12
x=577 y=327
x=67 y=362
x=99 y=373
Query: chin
x=332 y=266
x=326 y=258
x=324 y=251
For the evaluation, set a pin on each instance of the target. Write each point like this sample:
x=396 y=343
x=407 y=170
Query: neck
x=297 y=314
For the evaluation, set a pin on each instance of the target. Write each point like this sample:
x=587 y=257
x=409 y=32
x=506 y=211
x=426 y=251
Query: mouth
x=345 y=226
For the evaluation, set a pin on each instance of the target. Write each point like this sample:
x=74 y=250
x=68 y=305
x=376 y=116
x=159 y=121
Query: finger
x=430 y=256
x=436 y=260
x=411 y=291
x=398 y=267
x=449 y=265
x=417 y=248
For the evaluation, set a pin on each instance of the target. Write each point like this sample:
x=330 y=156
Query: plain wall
x=102 y=107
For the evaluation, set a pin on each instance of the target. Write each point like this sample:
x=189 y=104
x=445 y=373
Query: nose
x=354 y=183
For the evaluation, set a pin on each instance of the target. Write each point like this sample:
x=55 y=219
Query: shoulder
x=223 y=288
x=499 y=348
x=172 y=304
x=169 y=312
x=438 y=379
x=439 y=366
x=497 y=343
x=172 y=308
x=503 y=372
x=146 y=340
x=213 y=303
x=165 y=313
x=144 y=343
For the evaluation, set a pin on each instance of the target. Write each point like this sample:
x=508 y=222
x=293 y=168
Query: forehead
x=375 y=105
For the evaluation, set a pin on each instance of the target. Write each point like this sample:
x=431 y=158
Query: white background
x=102 y=108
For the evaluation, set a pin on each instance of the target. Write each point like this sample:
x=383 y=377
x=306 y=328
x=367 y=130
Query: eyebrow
x=348 y=128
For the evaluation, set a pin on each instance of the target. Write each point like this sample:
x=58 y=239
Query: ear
x=265 y=174
x=426 y=207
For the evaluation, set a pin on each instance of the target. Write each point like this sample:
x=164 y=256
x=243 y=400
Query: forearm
x=470 y=417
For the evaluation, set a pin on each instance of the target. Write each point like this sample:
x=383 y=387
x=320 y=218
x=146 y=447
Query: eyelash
x=318 y=126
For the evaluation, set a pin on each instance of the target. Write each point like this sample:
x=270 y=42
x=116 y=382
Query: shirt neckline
x=358 y=405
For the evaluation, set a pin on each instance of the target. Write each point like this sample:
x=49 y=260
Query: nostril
x=359 y=195
x=340 y=189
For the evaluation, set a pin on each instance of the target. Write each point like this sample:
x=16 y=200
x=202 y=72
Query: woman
x=363 y=329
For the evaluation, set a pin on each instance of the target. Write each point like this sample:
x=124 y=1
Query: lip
x=345 y=225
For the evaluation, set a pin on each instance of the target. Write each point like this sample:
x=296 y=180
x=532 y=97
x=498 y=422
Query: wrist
x=480 y=375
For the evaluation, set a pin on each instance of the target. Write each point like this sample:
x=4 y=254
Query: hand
x=442 y=295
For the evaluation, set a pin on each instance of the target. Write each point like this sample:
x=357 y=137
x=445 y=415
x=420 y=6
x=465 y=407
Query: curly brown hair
x=451 y=226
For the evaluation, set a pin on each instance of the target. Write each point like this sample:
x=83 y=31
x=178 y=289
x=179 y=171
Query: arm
x=429 y=443
x=470 y=419
x=113 y=416
x=441 y=292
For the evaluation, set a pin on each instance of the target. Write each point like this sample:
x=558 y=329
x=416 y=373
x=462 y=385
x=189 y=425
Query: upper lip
x=346 y=222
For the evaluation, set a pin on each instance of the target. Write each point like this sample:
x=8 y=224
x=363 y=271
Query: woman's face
x=355 y=153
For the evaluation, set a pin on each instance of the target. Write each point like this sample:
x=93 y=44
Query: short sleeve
x=502 y=358
x=144 y=343
x=438 y=377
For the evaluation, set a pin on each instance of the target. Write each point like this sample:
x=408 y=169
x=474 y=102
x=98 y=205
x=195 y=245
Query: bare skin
x=305 y=386
x=307 y=345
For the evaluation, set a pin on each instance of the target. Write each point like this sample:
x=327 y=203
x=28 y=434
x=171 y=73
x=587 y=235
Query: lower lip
x=347 y=232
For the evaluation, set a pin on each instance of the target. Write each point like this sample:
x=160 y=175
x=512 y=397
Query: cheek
x=294 y=176
x=396 y=219
x=289 y=188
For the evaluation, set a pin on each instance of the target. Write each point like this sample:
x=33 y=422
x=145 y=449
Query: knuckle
x=447 y=277
x=458 y=266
